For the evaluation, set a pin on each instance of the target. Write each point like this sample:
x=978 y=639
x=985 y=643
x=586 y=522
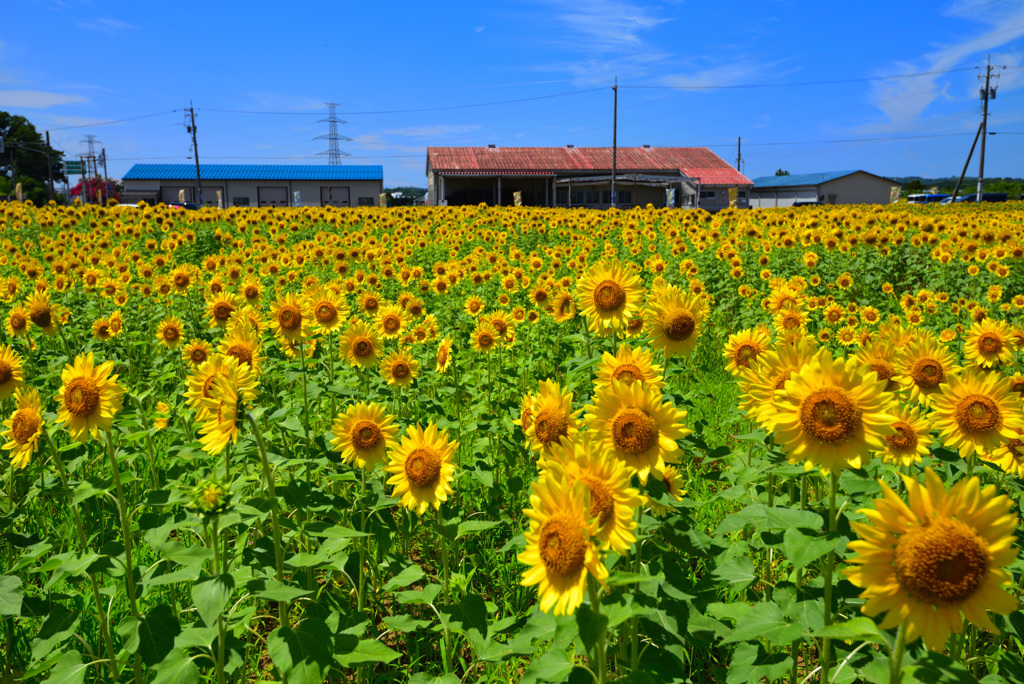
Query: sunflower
x=24 y=427
x=182 y=278
x=560 y=549
x=551 y=417
x=943 y=554
x=744 y=347
x=976 y=412
x=360 y=345
x=609 y=294
x=196 y=352
x=880 y=356
x=612 y=500
x=328 y=309
x=831 y=414
x=474 y=306
x=563 y=308
x=390 y=321
x=629 y=365
x=218 y=424
x=637 y=426
x=925 y=365
x=221 y=307
x=485 y=338
x=444 y=354
x=363 y=434
x=673 y=482
x=421 y=468
x=790 y=320
x=17 y=321
x=398 y=368
x=288 y=318
x=101 y=329
x=911 y=439
x=369 y=302
x=169 y=332
x=673 y=321
x=1010 y=456
x=116 y=323
x=11 y=374
x=251 y=315
x=252 y=291
x=89 y=397
x=502 y=325
x=989 y=343
x=200 y=383
x=41 y=313
x=243 y=343
x=525 y=418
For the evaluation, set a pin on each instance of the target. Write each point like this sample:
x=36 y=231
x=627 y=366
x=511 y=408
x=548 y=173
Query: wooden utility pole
x=195 y=150
x=49 y=166
x=615 y=136
x=739 y=157
x=106 y=179
x=987 y=93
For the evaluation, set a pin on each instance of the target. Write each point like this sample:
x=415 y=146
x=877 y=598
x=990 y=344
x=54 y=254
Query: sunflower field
x=476 y=444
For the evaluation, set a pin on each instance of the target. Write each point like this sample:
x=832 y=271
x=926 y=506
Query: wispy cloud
x=905 y=100
x=433 y=131
x=36 y=99
x=107 y=26
x=735 y=72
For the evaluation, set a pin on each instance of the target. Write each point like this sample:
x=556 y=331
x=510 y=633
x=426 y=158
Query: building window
x=742 y=194
x=707 y=194
x=240 y=201
x=561 y=196
x=365 y=202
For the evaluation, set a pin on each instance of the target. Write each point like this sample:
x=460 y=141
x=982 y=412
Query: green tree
x=913 y=187
x=24 y=159
x=780 y=172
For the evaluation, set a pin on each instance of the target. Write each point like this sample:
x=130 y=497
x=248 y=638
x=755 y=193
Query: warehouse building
x=581 y=177
x=256 y=185
x=833 y=187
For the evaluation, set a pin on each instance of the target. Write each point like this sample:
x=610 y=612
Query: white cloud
x=479 y=29
x=36 y=99
x=736 y=72
x=607 y=25
x=107 y=26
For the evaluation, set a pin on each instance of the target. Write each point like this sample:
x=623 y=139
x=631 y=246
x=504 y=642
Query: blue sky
x=810 y=86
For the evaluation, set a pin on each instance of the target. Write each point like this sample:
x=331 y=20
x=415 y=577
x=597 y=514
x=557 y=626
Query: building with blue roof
x=256 y=185
x=829 y=187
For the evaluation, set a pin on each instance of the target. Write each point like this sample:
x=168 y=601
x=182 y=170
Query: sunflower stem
x=830 y=561
x=129 y=570
x=896 y=657
x=361 y=595
x=599 y=649
x=268 y=475
x=83 y=542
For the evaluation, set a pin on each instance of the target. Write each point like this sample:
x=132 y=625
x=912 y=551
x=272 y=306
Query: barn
x=830 y=187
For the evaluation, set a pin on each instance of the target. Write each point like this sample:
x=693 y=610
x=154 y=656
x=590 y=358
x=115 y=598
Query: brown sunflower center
x=883 y=369
x=362 y=347
x=197 y=355
x=628 y=372
x=18 y=321
x=602 y=501
x=927 y=372
x=442 y=355
x=325 y=312
x=289 y=317
x=943 y=563
x=366 y=435
x=550 y=424
x=634 y=431
x=791 y=322
x=222 y=311
x=485 y=340
x=242 y=352
x=6 y=372
x=181 y=280
x=251 y=292
x=563 y=545
x=609 y=296
x=171 y=333
x=989 y=343
x=24 y=425
x=781 y=380
x=978 y=413
x=830 y=414
x=423 y=467
x=41 y=315
x=81 y=396
x=905 y=437
x=399 y=370
x=679 y=325
x=746 y=353
x=391 y=323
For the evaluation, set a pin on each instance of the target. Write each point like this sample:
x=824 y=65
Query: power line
x=116 y=121
x=799 y=83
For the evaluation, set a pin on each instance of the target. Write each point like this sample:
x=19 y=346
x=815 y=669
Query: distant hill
x=915 y=184
x=409 y=195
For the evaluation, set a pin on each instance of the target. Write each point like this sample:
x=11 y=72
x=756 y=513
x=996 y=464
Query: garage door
x=273 y=196
x=335 y=196
x=175 y=194
x=807 y=195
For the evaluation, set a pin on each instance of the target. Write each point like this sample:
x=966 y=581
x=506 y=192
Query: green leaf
x=422 y=678
x=211 y=596
x=802 y=549
x=426 y=595
x=764 y=519
x=468 y=617
x=737 y=573
x=592 y=626
x=765 y=621
x=157 y=630
x=60 y=624
x=176 y=668
x=856 y=629
x=366 y=652
x=474 y=526
x=303 y=655
x=70 y=670
x=272 y=590
x=405 y=623
x=11 y=595
x=553 y=666
x=751 y=663
x=409 y=575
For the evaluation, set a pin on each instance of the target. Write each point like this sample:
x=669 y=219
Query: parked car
x=985 y=197
x=926 y=199
x=183 y=205
x=808 y=203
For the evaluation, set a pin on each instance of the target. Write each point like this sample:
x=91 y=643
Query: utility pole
x=106 y=179
x=91 y=141
x=956 y=190
x=615 y=136
x=334 y=153
x=987 y=93
x=739 y=157
x=85 y=181
x=191 y=128
x=49 y=166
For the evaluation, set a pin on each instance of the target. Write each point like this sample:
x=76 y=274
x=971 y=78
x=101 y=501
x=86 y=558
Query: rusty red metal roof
x=695 y=162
